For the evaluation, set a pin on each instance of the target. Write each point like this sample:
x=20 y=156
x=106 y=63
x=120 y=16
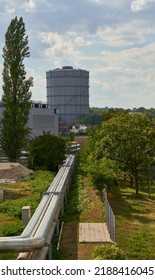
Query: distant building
x=41 y=119
x=67 y=100
x=68 y=93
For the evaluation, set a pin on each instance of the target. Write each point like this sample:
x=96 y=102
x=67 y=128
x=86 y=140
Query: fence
x=110 y=217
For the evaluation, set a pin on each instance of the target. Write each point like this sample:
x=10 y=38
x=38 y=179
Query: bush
x=46 y=152
x=102 y=172
x=108 y=252
x=75 y=200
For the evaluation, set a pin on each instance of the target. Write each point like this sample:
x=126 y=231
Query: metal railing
x=37 y=235
x=110 y=217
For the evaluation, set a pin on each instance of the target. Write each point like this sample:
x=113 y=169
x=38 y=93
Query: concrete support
x=26 y=214
x=1 y=194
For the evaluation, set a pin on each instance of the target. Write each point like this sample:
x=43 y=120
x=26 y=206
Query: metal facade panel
x=68 y=91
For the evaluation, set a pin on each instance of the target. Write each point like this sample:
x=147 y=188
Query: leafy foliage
x=46 y=152
x=16 y=96
x=13 y=229
x=14 y=207
x=129 y=140
x=41 y=180
x=76 y=199
x=139 y=246
x=108 y=252
x=102 y=171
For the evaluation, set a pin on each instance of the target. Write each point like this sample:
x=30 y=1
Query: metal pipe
x=35 y=234
x=40 y=210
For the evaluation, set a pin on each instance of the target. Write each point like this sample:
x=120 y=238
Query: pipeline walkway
x=35 y=240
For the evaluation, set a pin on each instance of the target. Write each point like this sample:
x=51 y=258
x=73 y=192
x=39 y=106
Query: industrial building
x=67 y=100
x=41 y=119
x=68 y=93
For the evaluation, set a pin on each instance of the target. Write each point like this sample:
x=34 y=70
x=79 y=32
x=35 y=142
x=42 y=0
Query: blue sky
x=113 y=39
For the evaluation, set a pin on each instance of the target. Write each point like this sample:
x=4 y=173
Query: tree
x=46 y=152
x=16 y=95
x=102 y=171
x=129 y=140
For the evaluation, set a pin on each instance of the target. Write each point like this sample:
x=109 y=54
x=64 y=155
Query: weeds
x=108 y=252
x=75 y=202
x=139 y=246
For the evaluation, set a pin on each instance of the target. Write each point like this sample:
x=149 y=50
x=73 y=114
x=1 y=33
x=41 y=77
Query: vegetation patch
x=41 y=180
x=76 y=199
x=14 y=207
x=139 y=246
x=108 y=252
x=11 y=209
x=135 y=223
x=14 y=229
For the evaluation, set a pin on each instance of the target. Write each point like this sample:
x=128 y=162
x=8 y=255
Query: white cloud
x=109 y=38
x=126 y=78
x=63 y=46
x=80 y=41
x=39 y=84
x=9 y=9
x=128 y=34
x=29 y=5
x=110 y=3
x=138 y=5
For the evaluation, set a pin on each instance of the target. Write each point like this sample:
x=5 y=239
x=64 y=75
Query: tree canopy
x=16 y=94
x=46 y=152
x=127 y=139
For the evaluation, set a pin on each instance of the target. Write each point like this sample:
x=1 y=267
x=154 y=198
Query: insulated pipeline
x=41 y=226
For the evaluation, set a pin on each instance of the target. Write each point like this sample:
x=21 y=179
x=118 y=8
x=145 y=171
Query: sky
x=112 y=39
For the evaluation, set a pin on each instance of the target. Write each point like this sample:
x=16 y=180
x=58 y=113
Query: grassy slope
x=135 y=217
x=18 y=195
x=135 y=220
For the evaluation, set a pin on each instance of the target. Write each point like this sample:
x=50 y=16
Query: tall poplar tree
x=16 y=96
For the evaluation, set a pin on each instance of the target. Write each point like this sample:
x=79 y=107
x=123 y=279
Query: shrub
x=102 y=172
x=108 y=252
x=75 y=200
x=46 y=152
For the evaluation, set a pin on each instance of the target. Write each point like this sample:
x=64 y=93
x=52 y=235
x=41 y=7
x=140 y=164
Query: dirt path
x=93 y=211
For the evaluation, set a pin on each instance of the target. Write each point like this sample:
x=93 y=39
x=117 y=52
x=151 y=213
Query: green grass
x=135 y=221
x=76 y=199
x=11 y=208
x=135 y=218
x=39 y=182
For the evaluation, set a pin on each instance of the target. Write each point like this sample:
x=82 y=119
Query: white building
x=41 y=119
x=67 y=99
